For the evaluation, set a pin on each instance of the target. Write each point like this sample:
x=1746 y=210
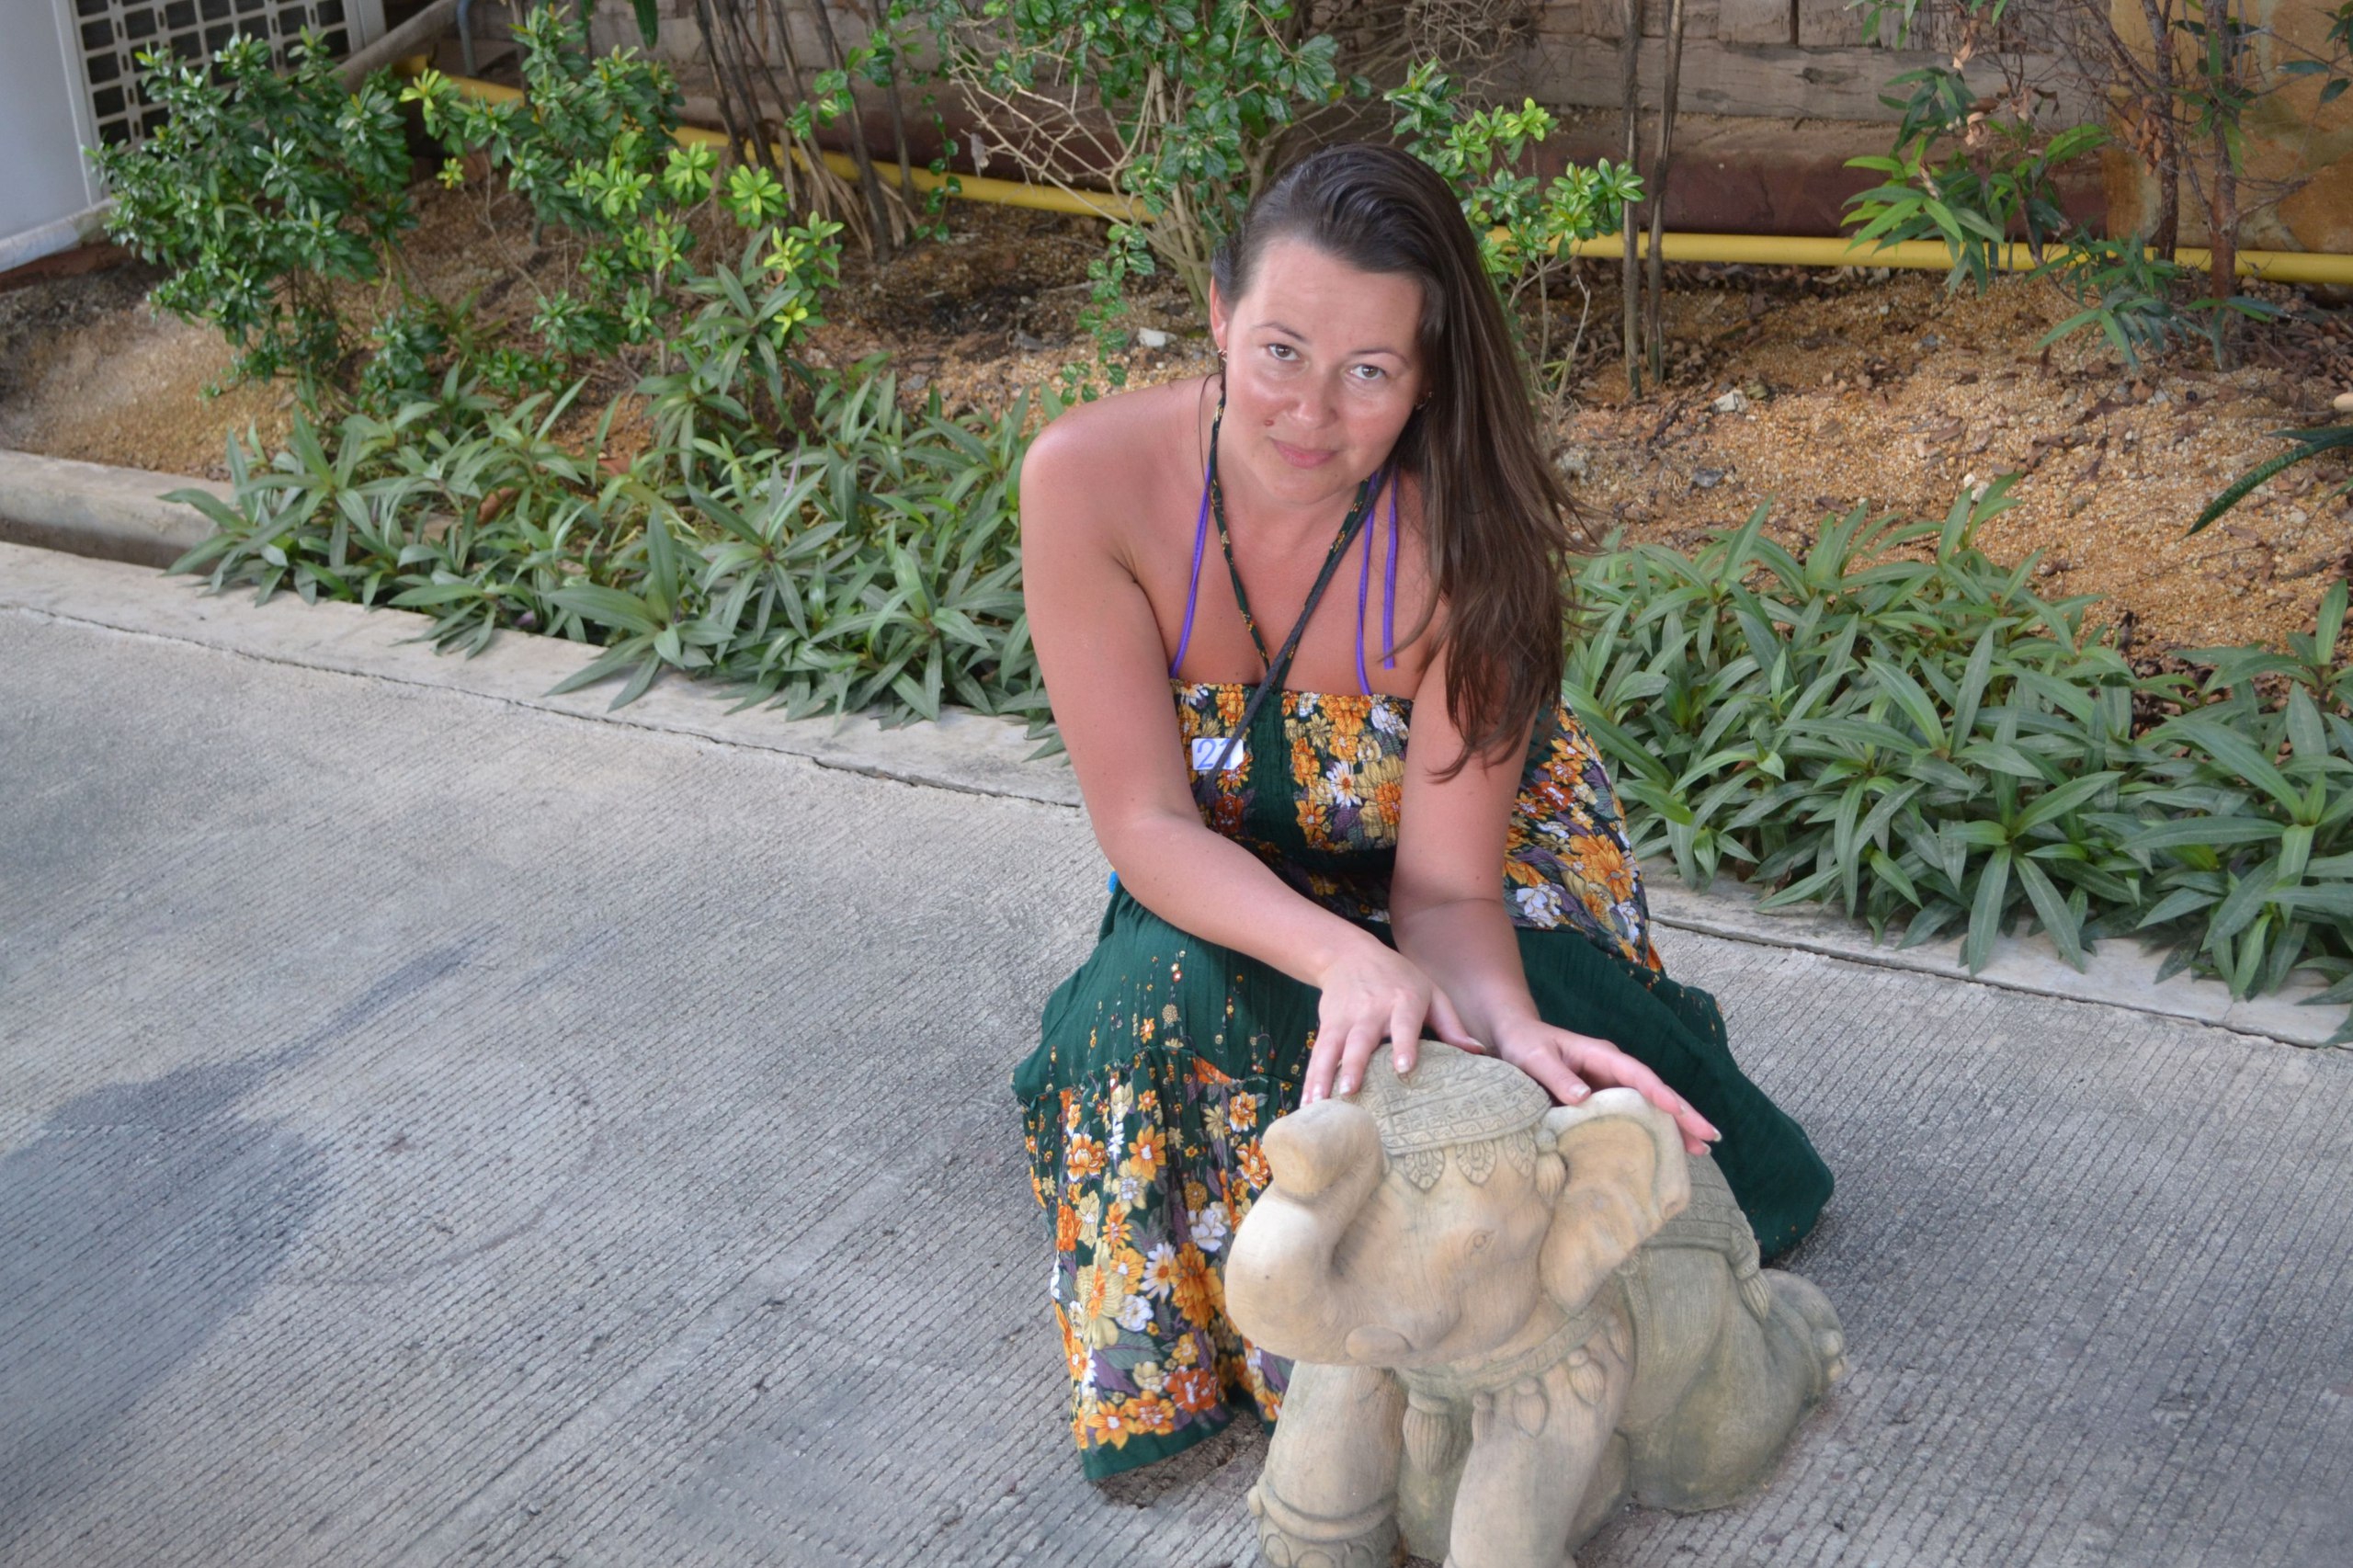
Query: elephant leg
x=1817 y=1323
x=1537 y=1450
x=1761 y=1376
x=1328 y=1497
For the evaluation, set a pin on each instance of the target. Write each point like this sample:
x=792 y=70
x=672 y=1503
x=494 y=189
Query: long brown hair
x=1493 y=509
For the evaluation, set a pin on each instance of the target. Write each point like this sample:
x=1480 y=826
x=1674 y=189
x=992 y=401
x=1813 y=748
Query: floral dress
x=1164 y=1058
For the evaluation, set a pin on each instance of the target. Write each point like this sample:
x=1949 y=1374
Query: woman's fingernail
x=1578 y=1091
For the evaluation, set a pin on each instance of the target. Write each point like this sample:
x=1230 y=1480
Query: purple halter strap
x=1364 y=585
x=1193 y=588
x=1388 y=597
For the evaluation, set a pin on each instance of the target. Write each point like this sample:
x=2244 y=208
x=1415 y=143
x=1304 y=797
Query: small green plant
x=2304 y=446
x=262 y=192
x=1524 y=224
x=1897 y=724
x=2136 y=298
x=1970 y=176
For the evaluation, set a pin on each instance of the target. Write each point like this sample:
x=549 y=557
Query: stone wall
x=1782 y=65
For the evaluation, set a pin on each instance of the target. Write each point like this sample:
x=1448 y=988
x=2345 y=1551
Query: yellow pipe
x=1764 y=250
x=1785 y=250
x=972 y=187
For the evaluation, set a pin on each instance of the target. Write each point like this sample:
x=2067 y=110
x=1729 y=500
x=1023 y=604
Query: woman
x=1293 y=884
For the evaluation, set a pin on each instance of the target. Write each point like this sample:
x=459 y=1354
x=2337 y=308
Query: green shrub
x=1524 y=225
x=877 y=564
x=262 y=192
x=1895 y=724
x=589 y=147
x=1198 y=96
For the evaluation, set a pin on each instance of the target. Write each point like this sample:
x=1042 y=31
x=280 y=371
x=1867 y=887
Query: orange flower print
x=1116 y=1232
x=1083 y=1156
x=1194 y=1389
x=1198 y=1294
x=1065 y=1228
x=1103 y=1425
x=1255 y=1169
x=1096 y=1300
x=1242 y=1112
x=1150 y=1413
x=1146 y=1154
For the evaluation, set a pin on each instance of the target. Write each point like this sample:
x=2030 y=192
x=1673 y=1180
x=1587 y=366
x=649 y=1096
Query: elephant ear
x=1621 y=1176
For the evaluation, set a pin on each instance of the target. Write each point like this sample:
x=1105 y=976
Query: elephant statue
x=1508 y=1319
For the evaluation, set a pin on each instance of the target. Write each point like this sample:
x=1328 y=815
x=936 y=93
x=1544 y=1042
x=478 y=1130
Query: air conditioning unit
x=69 y=75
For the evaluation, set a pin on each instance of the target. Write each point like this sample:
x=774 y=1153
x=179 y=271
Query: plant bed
x=1813 y=390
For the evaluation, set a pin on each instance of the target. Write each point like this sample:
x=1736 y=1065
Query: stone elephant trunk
x=1283 y=1272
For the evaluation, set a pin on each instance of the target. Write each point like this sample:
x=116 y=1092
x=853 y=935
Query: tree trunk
x=1670 y=91
x=899 y=136
x=2222 y=211
x=878 y=215
x=1630 y=49
x=2224 y=216
x=2165 y=104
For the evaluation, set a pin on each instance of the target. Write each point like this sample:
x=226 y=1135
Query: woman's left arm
x=1446 y=908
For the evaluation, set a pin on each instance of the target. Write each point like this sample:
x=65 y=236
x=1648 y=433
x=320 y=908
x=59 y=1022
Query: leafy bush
x=261 y=192
x=264 y=192
x=1897 y=725
x=590 y=148
x=1197 y=97
x=878 y=564
x=1524 y=224
x=1976 y=170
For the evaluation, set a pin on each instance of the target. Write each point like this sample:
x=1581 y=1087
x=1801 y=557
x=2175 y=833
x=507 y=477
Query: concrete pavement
x=440 y=1129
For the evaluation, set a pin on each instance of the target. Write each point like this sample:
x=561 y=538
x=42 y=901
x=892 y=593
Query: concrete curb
x=114 y=513
x=965 y=751
x=2117 y=974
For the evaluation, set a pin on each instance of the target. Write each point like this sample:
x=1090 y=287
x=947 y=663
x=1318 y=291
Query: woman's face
x=1323 y=369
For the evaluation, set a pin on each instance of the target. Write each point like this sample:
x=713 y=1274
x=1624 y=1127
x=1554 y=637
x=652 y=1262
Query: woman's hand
x=1571 y=1066
x=1373 y=993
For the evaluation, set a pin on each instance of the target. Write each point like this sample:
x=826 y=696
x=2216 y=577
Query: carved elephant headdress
x=1613 y=1166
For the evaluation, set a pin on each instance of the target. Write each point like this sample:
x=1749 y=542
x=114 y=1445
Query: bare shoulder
x=1126 y=447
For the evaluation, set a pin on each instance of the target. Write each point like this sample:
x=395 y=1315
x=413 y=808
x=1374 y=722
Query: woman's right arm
x=1099 y=648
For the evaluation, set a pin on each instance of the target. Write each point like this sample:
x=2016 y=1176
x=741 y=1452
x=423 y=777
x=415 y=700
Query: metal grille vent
x=112 y=33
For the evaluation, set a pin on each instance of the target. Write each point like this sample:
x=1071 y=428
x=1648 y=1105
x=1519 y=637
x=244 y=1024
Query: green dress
x=1164 y=1058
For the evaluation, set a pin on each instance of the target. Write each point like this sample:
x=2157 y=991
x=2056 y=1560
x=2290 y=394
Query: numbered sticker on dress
x=1206 y=750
